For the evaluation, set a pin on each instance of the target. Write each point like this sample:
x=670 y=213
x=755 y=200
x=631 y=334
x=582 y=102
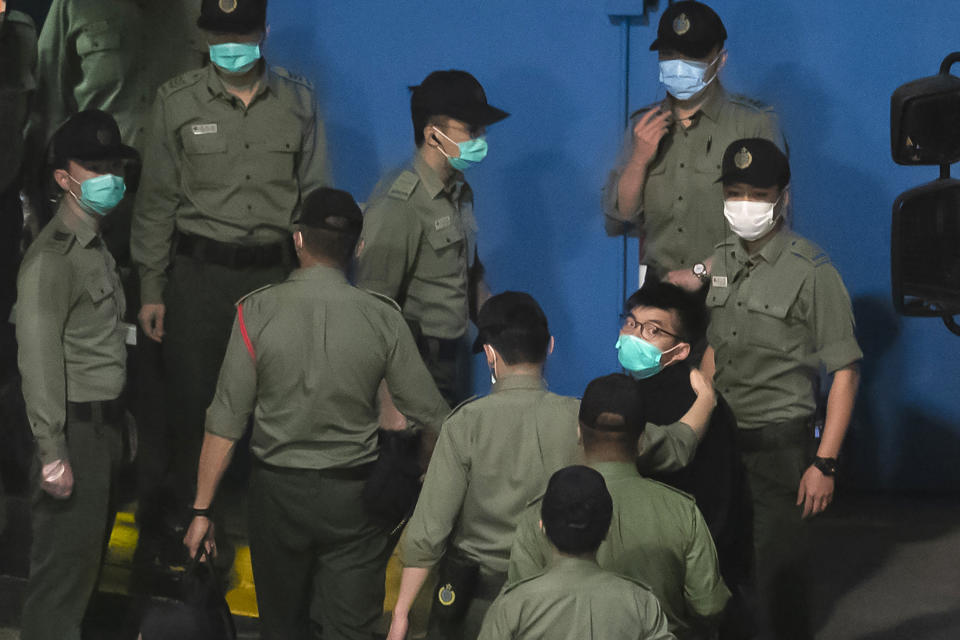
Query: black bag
x=393 y=486
x=457 y=581
x=203 y=612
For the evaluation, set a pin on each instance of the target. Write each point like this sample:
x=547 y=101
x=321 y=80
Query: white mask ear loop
x=493 y=369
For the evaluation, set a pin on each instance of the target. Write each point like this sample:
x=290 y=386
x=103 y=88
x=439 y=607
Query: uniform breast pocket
x=206 y=155
x=446 y=240
x=281 y=155
x=100 y=49
x=773 y=323
x=710 y=163
x=100 y=289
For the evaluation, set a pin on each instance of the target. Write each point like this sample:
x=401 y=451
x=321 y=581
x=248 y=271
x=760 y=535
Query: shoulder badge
x=181 y=81
x=263 y=288
x=752 y=103
x=446 y=594
x=293 y=77
x=58 y=242
x=383 y=298
x=403 y=187
x=803 y=248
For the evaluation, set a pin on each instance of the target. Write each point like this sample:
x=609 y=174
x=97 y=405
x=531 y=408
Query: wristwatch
x=700 y=270
x=827 y=466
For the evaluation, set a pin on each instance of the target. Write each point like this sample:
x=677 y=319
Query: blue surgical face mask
x=471 y=152
x=235 y=57
x=684 y=78
x=100 y=194
x=640 y=358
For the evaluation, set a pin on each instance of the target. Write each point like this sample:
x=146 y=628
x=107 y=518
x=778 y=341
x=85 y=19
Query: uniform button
x=681 y=165
x=679 y=229
x=246 y=145
x=739 y=304
x=679 y=197
x=249 y=207
x=726 y=390
x=734 y=333
x=141 y=129
x=287 y=145
x=729 y=361
x=766 y=306
x=248 y=177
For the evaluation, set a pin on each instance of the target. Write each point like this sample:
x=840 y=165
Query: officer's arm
x=704 y=591
x=409 y=383
x=840 y=401
x=387 y=248
x=43 y=304
x=53 y=100
x=530 y=552
x=672 y=447
x=411 y=581
x=313 y=170
x=154 y=213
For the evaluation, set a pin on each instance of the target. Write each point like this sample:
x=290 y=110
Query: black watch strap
x=827 y=466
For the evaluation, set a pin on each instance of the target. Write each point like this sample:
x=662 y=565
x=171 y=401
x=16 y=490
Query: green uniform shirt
x=495 y=454
x=18 y=51
x=217 y=169
x=68 y=314
x=657 y=535
x=575 y=600
x=419 y=239
x=318 y=349
x=113 y=55
x=681 y=210
x=775 y=318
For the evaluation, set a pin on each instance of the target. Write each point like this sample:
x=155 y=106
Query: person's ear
x=298 y=240
x=62 y=178
x=551 y=345
x=721 y=61
x=491 y=354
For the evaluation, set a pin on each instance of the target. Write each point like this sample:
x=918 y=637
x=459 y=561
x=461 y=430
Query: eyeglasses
x=648 y=330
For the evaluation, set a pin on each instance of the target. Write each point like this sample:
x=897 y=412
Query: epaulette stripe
x=243 y=332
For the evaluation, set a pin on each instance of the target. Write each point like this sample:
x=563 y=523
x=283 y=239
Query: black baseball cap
x=510 y=311
x=233 y=16
x=690 y=28
x=455 y=94
x=90 y=135
x=755 y=161
x=577 y=509
x=613 y=403
x=331 y=209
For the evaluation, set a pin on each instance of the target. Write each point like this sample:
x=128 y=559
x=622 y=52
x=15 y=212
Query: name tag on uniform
x=441 y=223
x=719 y=281
x=200 y=129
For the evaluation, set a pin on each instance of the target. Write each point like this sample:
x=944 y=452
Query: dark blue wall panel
x=558 y=66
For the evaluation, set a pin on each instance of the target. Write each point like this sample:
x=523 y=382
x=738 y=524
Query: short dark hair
x=576 y=510
x=514 y=324
x=334 y=245
x=690 y=308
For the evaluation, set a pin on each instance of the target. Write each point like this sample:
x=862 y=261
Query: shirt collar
x=615 y=470
x=531 y=382
x=432 y=182
x=769 y=252
x=218 y=90
x=320 y=272
x=81 y=224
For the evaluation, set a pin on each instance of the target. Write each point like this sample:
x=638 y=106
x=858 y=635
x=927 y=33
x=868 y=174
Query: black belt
x=360 y=472
x=440 y=348
x=108 y=411
x=792 y=433
x=233 y=256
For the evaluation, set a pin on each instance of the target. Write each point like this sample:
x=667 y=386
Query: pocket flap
x=100 y=288
x=199 y=139
x=97 y=37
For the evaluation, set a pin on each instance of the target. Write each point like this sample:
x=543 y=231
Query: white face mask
x=749 y=219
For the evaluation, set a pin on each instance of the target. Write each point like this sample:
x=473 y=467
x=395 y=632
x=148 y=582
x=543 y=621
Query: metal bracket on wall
x=624 y=14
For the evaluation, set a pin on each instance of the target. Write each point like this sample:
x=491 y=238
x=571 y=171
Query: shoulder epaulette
x=263 y=288
x=293 y=77
x=402 y=188
x=516 y=583
x=809 y=251
x=463 y=404
x=182 y=81
x=726 y=242
x=383 y=298
x=672 y=488
x=20 y=18
x=639 y=583
x=747 y=101
x=58 y=242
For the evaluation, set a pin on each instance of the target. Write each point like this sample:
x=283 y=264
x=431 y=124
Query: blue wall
x=828 y=67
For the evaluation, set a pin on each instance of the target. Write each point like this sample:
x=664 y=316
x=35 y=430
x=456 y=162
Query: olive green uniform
x=222 y=184
x=681 y=210
x=72 y=359
x=18 y=49
x=576 y=600
x=777 y=317
x=305 y=359
x=657 y=536
x=418 y=246
x=494 y=455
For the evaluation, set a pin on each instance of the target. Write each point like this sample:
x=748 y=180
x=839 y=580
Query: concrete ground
x=886 y=567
